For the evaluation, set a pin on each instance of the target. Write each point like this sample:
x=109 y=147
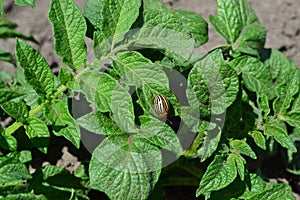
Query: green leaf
x=127 y=61
x=87 y=83
x=210 y=143
x=18 y=111
x=2 y=13
x=237 y=23
x=241 y=146
x=292 y=159
x=65 y=77
x=280 y=136
x=256 y=76
x=191 y=117
x=285 y=92
x=213 y=82
x=38 y=133
x=8 y=142
x=276 y=191
x=4 y=22
x=296 y=102
x=36 y=70
x=139 y=72
x=260 y=190
x=98 y=123
x=25 y=195
x=240 y=164
x=122 y=109
x=7 y=57
x=175 y=45
x=93 y=11
x=277 y=62
x=9 y=32
x=131 y=164
x=253 y=35
x=161 y=135
x=219 y=174
x=112 y=17
x=25 y=156
x=7 y=94
x=63 y=123
x=48 y=181
x=69 y=30
x=154 y=5
x=25 y=3
x=259 y=139
x=228 y=22
x=105 y=88
x=182 y=21
x=292 y=118
x=11 y=169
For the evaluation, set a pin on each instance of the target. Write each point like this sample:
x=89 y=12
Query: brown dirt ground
x=280 y=17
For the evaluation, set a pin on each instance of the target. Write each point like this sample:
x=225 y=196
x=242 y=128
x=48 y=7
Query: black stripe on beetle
x=161 y=106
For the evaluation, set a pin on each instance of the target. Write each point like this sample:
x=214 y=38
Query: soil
x=280 y=17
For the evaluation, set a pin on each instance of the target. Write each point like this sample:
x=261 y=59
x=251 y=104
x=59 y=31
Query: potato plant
x=166 y=115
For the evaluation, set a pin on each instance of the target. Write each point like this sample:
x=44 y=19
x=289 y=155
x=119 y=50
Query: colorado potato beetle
x=161 y=106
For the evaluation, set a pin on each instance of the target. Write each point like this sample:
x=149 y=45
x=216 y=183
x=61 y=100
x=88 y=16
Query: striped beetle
x=161 y=106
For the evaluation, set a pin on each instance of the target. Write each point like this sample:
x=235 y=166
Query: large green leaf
x=210 y=143
x=7 y=30
x=11 y=169
x=18 y=111
x=256 y=76
x=105 y=88
x=7 y=142
x=275 y=130
x=286 y=91
x=125 y=167
x=259 y=139
x=242 y=147
x=48 y=181
x=97 y=122
x=37 y=72
x=38 y=133
x=62 y=122
x=122 y=109
x=278 y=63
x=161 y=135
x=7 y=94
x=219 y=174
x=2 y=12
x=149 y=78
x=112 y=17
x=176 y=45
x=7 y=57
x=275 y=191
x=69 y=29
x=213 y=82
x=25 y=3
x=259 y=189
x=240 y=164
x=182 y=21
x=292 y=118
x=228 y=22
x=237 y=22
x=87 y=83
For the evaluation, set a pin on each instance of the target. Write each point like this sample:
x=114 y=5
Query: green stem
x=16 y=125
x=13 y=128
x=191 y=152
